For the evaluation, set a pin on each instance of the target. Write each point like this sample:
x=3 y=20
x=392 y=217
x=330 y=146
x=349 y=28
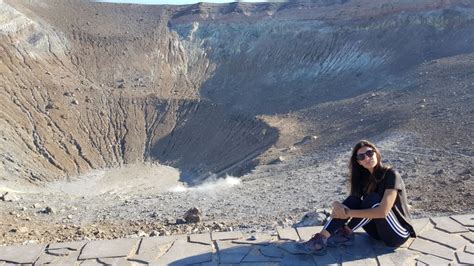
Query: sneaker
x=342 y=236
x=316 y=245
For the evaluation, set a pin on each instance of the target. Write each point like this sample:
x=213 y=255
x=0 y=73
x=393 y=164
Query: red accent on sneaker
x=342 y=236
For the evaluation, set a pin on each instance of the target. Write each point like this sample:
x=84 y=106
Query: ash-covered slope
x=207 y=88
x=295 y=55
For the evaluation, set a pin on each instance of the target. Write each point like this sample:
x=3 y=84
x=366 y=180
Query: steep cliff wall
x=76 y=98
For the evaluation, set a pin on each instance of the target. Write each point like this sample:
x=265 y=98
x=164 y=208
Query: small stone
x=141 y=233
x=307 y=139
x=30 y=242
x=48 y=210
x=218 y=227
x=9 y=197
x=193 y=215
x=278 y=160
x=164 y=232
x=76 y=102
x=180 y=221
x=154 y=233
x=50 y=105
x=69 y=216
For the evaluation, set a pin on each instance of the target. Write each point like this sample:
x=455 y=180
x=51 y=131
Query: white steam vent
x=211 y=184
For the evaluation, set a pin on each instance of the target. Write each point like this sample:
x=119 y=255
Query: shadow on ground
x=207 y=140
x=365 y=250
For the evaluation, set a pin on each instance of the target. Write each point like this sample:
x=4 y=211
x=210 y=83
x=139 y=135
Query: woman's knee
x=352 y=202
x=371 y=200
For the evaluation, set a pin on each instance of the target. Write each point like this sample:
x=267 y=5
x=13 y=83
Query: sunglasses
x=361 y=156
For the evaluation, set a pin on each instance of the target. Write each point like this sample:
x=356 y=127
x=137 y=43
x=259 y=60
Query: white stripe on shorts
x=395 y=225
x=365 y=220
x=327 y=223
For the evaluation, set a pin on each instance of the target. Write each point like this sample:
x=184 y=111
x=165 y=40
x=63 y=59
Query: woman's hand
x=338 y=210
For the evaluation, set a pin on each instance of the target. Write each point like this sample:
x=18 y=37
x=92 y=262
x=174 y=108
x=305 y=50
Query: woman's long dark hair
x=361 y=181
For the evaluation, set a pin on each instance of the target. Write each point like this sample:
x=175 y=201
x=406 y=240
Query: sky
x=174 y=2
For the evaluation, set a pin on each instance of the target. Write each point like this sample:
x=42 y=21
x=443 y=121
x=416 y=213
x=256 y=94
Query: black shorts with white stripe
x=388 y=229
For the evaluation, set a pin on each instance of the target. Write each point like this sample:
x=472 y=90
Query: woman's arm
x=381 y=211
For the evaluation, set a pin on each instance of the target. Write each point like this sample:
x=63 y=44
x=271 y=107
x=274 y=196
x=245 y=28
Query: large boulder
x=313 y=218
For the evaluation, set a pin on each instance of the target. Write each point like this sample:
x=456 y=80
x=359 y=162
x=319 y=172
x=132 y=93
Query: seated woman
x=377 y=203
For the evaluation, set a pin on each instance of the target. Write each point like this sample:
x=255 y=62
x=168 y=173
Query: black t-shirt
x=393 y=180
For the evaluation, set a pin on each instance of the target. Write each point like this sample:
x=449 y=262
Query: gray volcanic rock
x=193 y=215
